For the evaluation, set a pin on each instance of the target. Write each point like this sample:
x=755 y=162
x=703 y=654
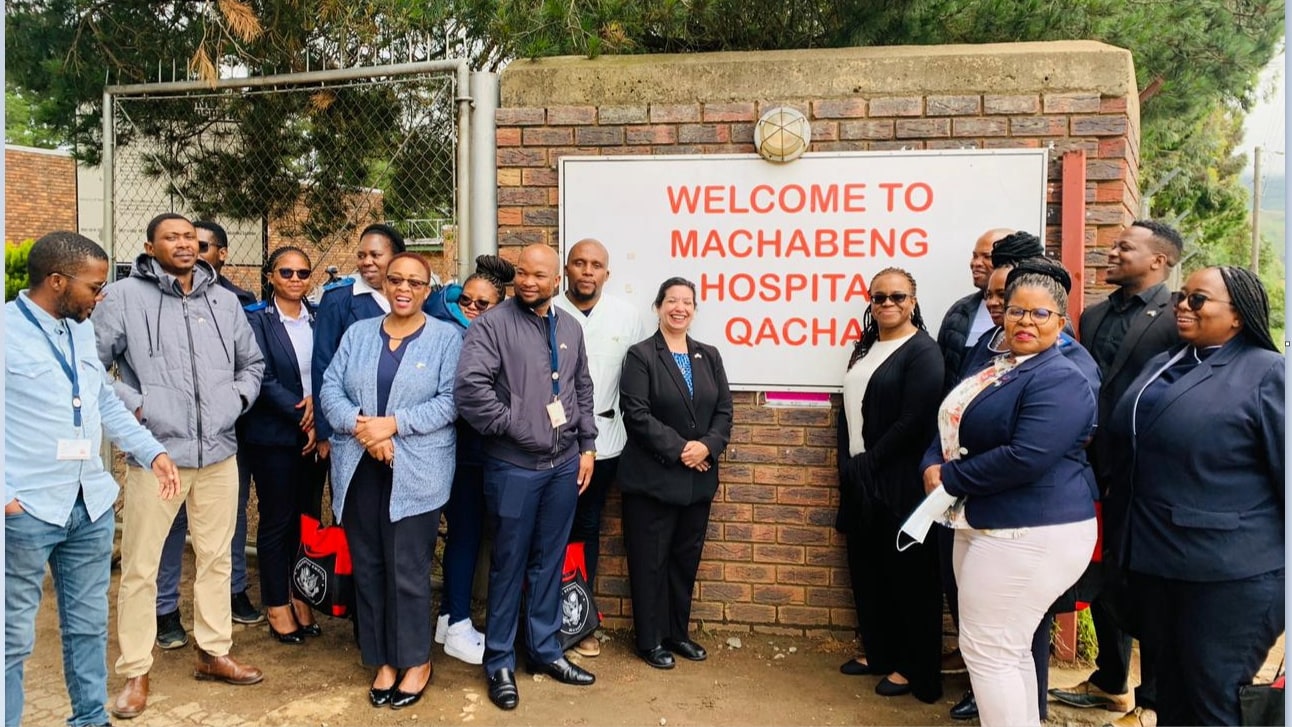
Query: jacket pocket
x=166 y=412
x=29 y=370
x=1187 y=517
x=522 y=430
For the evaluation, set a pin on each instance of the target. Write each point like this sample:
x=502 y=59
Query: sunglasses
x=1040 y=316
x=301 y=273
x=413 y=283
x=1195 y=301
x=205 y=246
x=882 y=298
x=479 y=304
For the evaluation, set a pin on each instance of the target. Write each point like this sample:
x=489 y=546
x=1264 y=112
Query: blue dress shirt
x=38 y=413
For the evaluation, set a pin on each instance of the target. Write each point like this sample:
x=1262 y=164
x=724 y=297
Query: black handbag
x=579 y=615
x=1262 y=704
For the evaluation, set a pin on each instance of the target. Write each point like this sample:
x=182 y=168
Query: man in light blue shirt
x=58 y=496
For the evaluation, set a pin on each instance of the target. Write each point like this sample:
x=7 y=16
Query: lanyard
x=551 y=347
x=62 y=361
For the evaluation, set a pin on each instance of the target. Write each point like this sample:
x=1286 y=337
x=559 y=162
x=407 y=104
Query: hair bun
x=1014 y=247
x=494 y=267
x=1041 y=266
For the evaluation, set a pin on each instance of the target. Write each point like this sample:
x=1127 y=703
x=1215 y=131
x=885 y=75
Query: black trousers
x=1210 y=639
x=287 y=484
x=587 y=514
x=392 y=570
x=898 y=597
x=663 y=543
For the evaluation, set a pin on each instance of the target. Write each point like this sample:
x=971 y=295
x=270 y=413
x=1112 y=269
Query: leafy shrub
x=15 y=267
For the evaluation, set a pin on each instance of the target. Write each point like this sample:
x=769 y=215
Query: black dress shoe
x=687 y=649
x=311 y=630
x=380 y=697
x=888 y=688
x=502 y=689
x=854 y=668
x=400 y=699
x=657 y=657
x=291 y=637
x=966 y=708
x=564 y=672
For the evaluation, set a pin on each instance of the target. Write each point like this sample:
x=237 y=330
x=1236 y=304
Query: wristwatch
x=589 y=452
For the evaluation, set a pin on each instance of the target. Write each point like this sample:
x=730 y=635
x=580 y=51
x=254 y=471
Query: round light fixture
x=782 y=134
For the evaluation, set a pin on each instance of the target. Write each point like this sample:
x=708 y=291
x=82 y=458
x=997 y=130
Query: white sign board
x=782 y=254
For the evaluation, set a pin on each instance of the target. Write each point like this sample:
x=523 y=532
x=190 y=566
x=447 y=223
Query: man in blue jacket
x=523 y=383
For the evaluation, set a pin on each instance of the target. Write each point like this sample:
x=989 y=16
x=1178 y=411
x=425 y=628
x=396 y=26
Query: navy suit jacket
x=1022 y=448
x=274 y=418
x=1200 y=489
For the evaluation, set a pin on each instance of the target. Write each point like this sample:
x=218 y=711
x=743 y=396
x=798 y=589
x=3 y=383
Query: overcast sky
x=1266 y=125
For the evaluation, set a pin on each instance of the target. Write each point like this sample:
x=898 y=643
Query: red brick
x=727 y=551
x=1106 y=214
x=829 y=597
x=734 y=473
x=728 y=512
x=1109 y=125
x=1070 y=103
x=840 y=108
x=950 y=144
x=539 y=177
x=806 y=417
x=725 y=592
x=805 y=455
x=997 y=104
x=867 y=129
x=896 y=145
x=674 y=113
x=1104 y=169
x=704 y=611
x=1112 y=105
x=792 y=535
x=789 y=554
x=749 y=573
x=749 y=493
x=980 y=126
x=952 y=105
x=778 y=595
x=825 y=556
x=539 y=216
x=599 y=135
x=509 y=216
x=751 y=613
x=515 y=157
x=742 y=133
x=823 y=516
x=752 y=453
x=779 y=514
x=528 y=196
x=1113 y=147
x=509 y=177
x=821 y=437
x=1014 y=143
x=1110 y=191
x=805 y=495
x=657 y=134
x=547 y=136
x=572 y=115
x=778 y=435
x=846 y=617
x=738 y=111
x=818 y=476
x=803 y=615
x=703 y=134
x=803 y=575
x=520 y=237
x=519 y=117
x=825 y=131
x=614 y=585
x=896 y=106
x=749 y=532
x=508 y=136
x=1039 y=126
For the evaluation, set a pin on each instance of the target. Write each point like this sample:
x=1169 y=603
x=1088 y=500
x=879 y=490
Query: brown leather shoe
x=225 y=669
x=132 y=700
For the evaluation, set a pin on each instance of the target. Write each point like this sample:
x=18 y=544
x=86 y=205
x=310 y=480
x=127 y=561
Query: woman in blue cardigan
x=389 y=397
x=1011 y=442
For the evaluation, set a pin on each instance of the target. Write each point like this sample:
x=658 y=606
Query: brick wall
x=39 y=193
x=773 y=562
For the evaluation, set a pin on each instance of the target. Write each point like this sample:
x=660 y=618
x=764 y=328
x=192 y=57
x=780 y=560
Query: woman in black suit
x=278 y=437
x=677 y=410
x=891 y=393
x=1202 y=470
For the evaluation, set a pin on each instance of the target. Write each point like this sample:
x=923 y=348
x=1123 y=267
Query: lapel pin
x=698 y=356
x=1152 y=313
x=562 y=346
x=421 y=365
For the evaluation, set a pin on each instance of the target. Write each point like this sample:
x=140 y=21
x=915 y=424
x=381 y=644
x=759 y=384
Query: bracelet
x=588 y=452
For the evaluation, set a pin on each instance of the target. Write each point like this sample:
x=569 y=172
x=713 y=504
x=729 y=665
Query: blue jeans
x=79 y=555
x=172 y=559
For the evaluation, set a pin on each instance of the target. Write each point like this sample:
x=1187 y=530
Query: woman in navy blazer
x=389 y=397
x=1202 y=463
x=677 y=411
x=1012 y=444
x=278 y=438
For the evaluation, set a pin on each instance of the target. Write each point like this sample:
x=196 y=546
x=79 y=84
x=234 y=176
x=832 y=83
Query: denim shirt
x=38 y=413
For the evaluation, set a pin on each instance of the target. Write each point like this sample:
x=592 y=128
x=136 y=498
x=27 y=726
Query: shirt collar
x=305 y=313
x=1120 y=301
x=49 y=324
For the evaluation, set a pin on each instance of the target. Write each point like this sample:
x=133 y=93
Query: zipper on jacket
x=197 y=394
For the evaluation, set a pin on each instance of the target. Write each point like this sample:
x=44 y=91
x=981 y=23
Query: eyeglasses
x=882 y=298
x=95 y=288
x=479 y=304
x=413 y=283
x=1195 y=301
x=206 y=246
x=301 y=273
x=1040 y=316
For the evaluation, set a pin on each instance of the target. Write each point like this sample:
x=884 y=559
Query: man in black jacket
x=967 y=318
x=1122 y=332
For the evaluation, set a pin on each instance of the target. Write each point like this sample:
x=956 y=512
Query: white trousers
x=1006 y=585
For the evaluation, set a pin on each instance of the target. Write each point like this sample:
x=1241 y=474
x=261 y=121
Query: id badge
x=556 y=413
x=73 y=449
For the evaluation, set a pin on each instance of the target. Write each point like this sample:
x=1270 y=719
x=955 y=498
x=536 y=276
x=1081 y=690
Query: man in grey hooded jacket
x=188 y=366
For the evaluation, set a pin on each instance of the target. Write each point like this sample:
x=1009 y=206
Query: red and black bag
x=322 y=575
x=579 y=615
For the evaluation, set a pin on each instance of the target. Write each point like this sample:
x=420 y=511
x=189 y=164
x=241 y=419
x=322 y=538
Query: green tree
x=21 y=127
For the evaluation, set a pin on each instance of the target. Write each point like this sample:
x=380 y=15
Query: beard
x=581 y=297
x=65 y=309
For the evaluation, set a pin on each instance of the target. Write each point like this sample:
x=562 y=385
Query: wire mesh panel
x=303 y=164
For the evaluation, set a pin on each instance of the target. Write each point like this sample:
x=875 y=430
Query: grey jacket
x=189 y=364
x=504 y=384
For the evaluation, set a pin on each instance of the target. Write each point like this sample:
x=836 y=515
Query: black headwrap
x=1040 y=266
x=1014 y=247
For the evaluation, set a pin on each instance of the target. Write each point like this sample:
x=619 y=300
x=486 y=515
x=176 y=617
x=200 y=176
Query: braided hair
x=267 y=288
x=1014 y=247
x=495 y=271
x=1249 y=298
x=870 y=329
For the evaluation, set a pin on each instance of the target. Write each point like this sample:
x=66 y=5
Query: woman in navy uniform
x=348 y=300
x=278 y=435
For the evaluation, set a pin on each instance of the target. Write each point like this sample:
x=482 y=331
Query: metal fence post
x=484 y=167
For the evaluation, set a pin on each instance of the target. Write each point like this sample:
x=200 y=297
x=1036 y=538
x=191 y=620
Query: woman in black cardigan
x=891 y=393
x=677 y=410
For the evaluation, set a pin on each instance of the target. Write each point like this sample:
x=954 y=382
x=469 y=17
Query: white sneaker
x=441 y=628
x=464 y=642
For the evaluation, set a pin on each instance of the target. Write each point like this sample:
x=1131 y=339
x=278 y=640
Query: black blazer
x=274 y=419
x=899 y=417
x=661 y=417
x=1201 y=478
x=1151 y=332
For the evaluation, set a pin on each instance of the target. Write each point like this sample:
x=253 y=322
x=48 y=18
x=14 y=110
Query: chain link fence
x=307 y=163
